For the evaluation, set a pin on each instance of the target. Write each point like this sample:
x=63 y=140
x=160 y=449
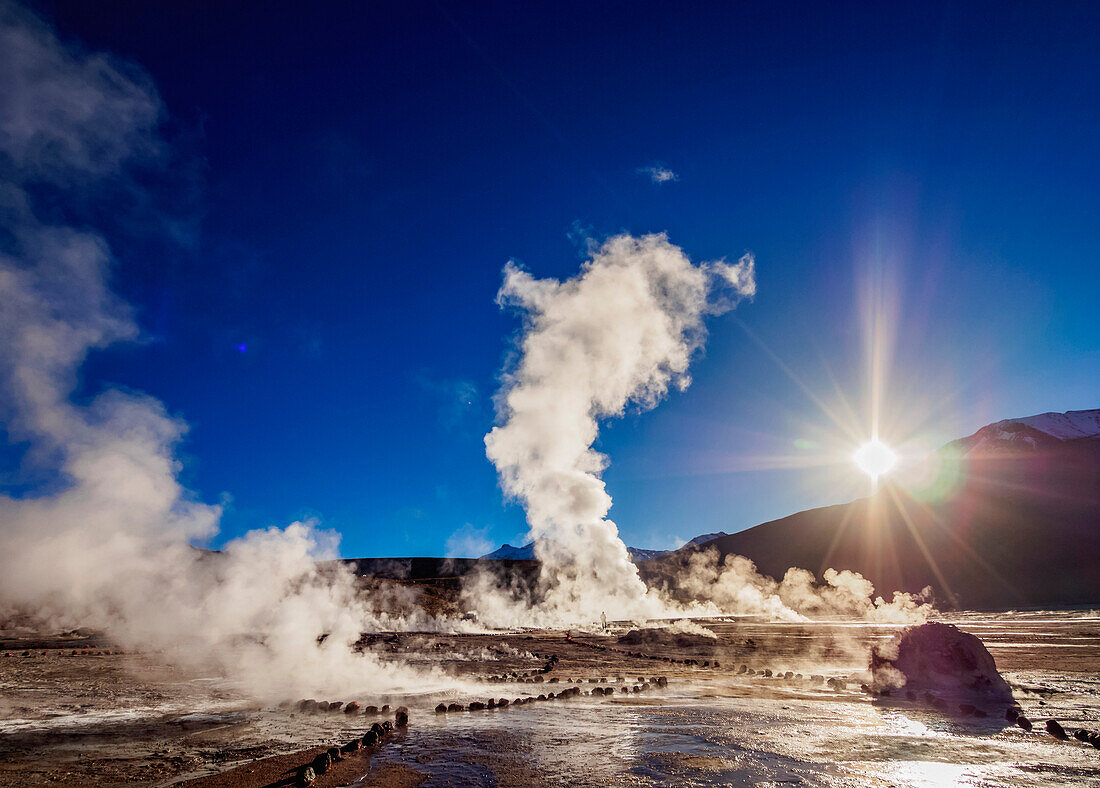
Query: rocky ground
x=75 y=712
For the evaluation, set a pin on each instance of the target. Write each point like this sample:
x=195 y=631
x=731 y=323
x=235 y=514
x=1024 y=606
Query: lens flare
x=875 y=458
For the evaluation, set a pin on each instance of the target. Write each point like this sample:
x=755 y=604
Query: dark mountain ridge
x=1018 y=525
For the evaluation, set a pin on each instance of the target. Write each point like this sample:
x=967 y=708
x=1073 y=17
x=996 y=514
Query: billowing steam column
x=621 y=332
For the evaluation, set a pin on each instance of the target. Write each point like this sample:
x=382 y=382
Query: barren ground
x=132 y=719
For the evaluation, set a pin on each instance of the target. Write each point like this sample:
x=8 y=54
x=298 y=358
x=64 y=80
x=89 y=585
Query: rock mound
x=663 y=637
x=942 y=659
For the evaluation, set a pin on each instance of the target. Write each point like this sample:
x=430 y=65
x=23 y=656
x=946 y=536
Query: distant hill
x=637 y=554
x=1013 y=522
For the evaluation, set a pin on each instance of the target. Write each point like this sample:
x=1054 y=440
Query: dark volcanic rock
x=942 y=658
x=321 y=763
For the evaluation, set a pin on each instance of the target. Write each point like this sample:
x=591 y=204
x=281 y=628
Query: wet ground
x=129 y=720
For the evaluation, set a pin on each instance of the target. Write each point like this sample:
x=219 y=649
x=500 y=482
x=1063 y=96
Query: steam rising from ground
x=109 y=545
x=620 y=333
x=734 y=585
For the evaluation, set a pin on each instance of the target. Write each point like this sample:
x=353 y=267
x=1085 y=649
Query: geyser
x=621 y=333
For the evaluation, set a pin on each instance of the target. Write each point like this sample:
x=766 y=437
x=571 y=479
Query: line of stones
x=307 y=773
x=569 y=692
x=86 y=652
x=1015 y=715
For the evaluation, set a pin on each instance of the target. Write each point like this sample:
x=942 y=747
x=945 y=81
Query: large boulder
x=942 y=659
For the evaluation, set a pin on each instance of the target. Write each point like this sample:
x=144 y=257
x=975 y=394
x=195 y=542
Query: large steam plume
x=621 y=333
x=109 y=545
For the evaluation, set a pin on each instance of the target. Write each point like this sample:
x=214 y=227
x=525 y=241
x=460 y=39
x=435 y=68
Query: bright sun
x=875 y=458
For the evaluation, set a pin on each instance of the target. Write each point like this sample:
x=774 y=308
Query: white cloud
x=659 y=174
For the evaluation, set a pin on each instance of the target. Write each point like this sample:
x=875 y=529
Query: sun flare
x=875 y=458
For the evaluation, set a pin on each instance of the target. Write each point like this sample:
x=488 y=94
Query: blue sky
x=352 y=179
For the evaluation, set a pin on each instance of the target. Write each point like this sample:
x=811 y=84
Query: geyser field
x=144 y=640
x=110 y=719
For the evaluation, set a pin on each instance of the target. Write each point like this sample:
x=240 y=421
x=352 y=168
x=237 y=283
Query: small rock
x=321 y=763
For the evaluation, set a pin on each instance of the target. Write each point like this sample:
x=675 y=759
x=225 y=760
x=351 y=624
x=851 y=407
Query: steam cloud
x=734 y=586
x=620 y=333
x=109 y=545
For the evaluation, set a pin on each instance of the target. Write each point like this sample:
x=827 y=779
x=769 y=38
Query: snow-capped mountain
x=1066 y=426
x=637 y=554
x=507 y=551
x=1043 y=430
x=704 y=538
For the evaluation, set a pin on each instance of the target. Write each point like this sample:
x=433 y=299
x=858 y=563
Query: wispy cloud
x=469 y=542
x=658 y=174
